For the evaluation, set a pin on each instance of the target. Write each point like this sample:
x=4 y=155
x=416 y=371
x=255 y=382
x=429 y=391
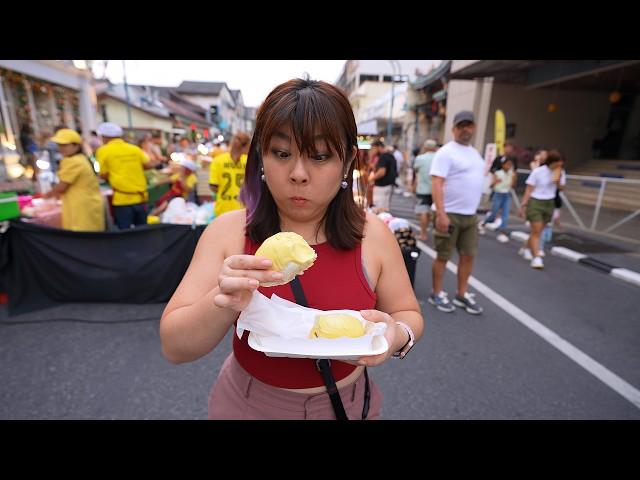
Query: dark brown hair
x=553 y=156
x=306 y=106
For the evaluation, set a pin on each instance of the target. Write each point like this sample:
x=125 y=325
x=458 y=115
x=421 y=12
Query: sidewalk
x=615 y=251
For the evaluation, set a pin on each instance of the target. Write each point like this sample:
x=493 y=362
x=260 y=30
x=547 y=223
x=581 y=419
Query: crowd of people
x=79 y=166
x=448 y=183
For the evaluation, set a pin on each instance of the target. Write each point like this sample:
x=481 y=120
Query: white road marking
x=602 y=373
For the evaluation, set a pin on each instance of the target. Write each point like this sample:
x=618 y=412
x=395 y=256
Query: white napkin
x=277 y=317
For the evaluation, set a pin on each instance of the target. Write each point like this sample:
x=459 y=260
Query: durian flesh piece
x=336 y=325
x=290 y=254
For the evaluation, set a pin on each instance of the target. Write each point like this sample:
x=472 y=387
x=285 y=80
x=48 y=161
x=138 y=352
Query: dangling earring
x=262 y=177
x=344 y=183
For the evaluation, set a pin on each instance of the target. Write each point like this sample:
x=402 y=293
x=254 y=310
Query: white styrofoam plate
x=337 y=348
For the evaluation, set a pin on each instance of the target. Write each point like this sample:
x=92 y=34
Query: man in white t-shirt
x=457 y=174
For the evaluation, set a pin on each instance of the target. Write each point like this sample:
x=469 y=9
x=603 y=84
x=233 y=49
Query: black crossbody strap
x=323 y=365
x=298 y=293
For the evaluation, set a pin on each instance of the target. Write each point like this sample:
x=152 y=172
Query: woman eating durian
x=303 y=238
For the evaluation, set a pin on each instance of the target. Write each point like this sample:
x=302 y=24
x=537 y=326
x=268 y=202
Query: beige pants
x=382 y=196
x=238 y=396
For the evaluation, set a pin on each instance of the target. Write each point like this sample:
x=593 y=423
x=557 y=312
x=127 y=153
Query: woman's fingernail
x=277 y=276
x=266 y=263
x=254 y=283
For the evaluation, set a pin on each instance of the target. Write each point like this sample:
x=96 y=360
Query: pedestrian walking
x=422 y=186
x=502 y=183
x=457 y=176
x=547 y=233
x=538 y=202
x=299 y=179
x=383 y=177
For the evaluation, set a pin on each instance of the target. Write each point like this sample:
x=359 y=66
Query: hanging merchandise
x=23 y=105
x=58 y=95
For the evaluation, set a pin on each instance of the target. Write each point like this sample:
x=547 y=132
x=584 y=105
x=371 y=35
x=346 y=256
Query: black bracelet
x=403 y=347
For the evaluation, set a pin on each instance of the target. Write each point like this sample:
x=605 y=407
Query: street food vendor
x=82 y=204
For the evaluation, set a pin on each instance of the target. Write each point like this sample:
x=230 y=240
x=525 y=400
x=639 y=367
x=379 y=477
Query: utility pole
x=390 y=123
x=126 y=92
x=393 y=81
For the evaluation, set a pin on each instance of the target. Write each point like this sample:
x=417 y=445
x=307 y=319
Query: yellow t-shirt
x=190 y=181
x=229 y=177
x=82 y=204
x=216 y=152
x=125 y=165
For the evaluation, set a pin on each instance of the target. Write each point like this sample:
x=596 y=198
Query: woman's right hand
x=239 y=276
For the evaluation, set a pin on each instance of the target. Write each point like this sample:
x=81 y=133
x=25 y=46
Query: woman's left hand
x=389 y=333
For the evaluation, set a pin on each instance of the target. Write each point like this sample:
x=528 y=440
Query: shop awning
x=574 y=74
x=433 y=76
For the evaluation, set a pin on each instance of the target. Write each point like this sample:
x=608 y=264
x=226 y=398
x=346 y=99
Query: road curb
x=623 y=274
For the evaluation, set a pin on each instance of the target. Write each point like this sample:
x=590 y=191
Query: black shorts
x=426 y=199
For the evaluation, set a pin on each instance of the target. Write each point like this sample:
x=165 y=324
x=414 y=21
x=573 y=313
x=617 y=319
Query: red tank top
x=335 y=281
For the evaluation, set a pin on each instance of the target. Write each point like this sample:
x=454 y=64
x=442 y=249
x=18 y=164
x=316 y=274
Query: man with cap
x=123 y=165
x=457 y=176
x=82 y=204
x=422 y=185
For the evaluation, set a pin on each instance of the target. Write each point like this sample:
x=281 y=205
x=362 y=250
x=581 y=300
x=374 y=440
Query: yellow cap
x=64 y=136
x=337 y=325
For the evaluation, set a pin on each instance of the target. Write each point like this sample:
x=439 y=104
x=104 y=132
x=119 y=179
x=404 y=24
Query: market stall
x=43 y=267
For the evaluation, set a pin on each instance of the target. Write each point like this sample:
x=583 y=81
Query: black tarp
x=41 y=267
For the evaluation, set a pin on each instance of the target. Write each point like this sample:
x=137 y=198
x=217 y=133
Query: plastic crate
x=9 y=206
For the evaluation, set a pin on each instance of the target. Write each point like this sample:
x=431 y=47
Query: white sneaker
x=537 y=263
x=526 y=254
x=541 y=253
x=502 y=238
x=481 y=229
x=493 y=226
